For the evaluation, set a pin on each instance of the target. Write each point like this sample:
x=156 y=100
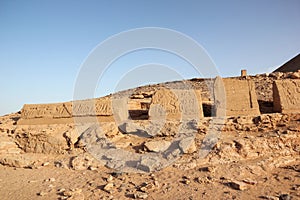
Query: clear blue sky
x=44 y=43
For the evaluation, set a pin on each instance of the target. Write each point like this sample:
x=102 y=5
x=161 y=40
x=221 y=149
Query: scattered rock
x=140 y=195
x=144 y=187
x=210 y=169
x=268 y=197
x=67 y=193
x=157 y=146
x=186 y=181
x=73 y=194
x=92 y=168
x=204 y=180
x=296 y=187
x=42 y=193
x=285 y=197
x=156 y=183
x=110 y=178
x=83 y=162
x=71 y=137
x=45 y=164
x=251 y=182
x=237 y=185
x=109 y=187
x=187 y=145
x=16 y=160
x=52 y=179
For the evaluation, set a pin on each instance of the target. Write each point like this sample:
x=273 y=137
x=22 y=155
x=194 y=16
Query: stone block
x=286 y=96
x=176 y=104
x=240 y=97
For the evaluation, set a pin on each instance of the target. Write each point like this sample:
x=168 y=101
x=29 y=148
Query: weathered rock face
x=286 y=96
x=157 y=146
x=240 y=97
x=42 y=139
x=57 y=110
x=176 y=103
x=64 y=112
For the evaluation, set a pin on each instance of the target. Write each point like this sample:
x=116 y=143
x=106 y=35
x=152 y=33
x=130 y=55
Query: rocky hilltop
x=230 y=138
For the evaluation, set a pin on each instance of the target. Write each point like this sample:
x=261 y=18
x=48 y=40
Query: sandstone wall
x=176 y=103
x=240 y=97
x=64 y=112
x=286 y=96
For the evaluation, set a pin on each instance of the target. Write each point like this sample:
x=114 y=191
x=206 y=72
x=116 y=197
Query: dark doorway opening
x=138 y=114
x=265 y=106
x=208 y=109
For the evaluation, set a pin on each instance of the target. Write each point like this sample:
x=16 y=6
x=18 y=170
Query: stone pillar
x=219 y=97
x=286 y=96
x=243 y=73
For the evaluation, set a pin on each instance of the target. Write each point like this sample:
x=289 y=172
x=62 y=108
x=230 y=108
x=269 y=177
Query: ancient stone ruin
x=231 y=133
x=286 y=96
x=177 y=103
x=226 y=97
x=65 y=112
x=240 y=97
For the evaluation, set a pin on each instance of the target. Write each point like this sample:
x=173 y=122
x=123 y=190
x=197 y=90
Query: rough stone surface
x=187 y=145
x=120 y=111
x=238 y=185
x=176 y=103
x=157 y=146
x=63 y=112
x=240 y=97
x=8 y=145
x=109 y=187
x=220 y=97
x=140 y=195
x=84 y=161
x=286 y=96
x=148 y=164
x=42 y=139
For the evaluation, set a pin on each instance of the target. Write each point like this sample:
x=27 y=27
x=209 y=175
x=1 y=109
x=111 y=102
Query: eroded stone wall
x=176 y=103
x=286 y=96
x=64 y=112
x=240 y=97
